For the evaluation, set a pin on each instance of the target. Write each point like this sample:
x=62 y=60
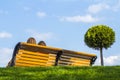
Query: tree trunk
x=101 y=56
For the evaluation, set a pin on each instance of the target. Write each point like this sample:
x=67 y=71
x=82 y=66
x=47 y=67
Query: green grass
x=60 y=73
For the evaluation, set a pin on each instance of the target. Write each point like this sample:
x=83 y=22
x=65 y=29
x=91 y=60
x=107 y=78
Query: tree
x=99 y=37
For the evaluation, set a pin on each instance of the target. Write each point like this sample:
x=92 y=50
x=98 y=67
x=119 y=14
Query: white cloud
x=95 y=8
x=5 y=35
x=112 y=60
x=5 y=56
x=109 y=61
x=41 y=36
x=41 y=14
x=86 y=19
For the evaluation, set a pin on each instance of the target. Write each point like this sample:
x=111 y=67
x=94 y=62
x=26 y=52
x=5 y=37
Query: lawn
x=61 y=73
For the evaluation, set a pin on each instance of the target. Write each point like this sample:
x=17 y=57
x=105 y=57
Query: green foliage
x=99 y=36
x=60 y=73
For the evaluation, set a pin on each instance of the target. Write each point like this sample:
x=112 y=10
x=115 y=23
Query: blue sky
x=60 y=23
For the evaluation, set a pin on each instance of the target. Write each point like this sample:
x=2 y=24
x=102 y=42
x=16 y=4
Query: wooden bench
x=26 y=54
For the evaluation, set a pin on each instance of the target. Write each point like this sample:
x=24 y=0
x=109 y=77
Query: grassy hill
x=60 y=73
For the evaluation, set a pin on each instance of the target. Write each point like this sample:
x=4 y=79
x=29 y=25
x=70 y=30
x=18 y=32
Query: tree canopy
x=99 y=36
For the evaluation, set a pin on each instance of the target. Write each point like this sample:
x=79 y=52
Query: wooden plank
x=80 y=65
x=74 y=65
x=24 y=65
x=34 y=45
x=81 y=62
x=35 y=60
x=34 y=57
x=79 y=59
x=79 y=53
x=69 y=57
x=63 y=59
x=33 y=53
x=29 y=62
x=39 y=48
x=77 y=56
x=36 y=53
x=74 y=60
x=20 y=56
x=60 y=62
x=33 y=63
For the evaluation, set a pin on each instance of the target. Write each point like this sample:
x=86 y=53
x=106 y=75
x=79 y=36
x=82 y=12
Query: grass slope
x=60 y=73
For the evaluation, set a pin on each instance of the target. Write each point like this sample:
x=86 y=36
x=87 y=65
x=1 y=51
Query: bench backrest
x=26 y=54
